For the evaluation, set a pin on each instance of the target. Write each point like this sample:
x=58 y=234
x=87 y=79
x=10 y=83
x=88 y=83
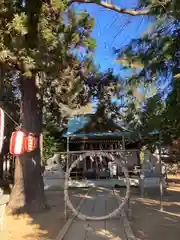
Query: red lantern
x=17 y=143
x=1 y=128
x=30 y=143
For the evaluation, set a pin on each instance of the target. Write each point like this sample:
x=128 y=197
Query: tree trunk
x=28 y=191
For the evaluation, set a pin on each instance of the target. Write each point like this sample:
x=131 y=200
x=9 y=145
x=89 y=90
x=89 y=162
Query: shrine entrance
x=106 y=184
x=96 y=158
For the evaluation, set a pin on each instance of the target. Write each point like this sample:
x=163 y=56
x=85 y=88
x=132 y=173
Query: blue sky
x=113 y=30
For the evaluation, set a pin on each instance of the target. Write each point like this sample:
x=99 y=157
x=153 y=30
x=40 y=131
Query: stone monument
x=54 y=174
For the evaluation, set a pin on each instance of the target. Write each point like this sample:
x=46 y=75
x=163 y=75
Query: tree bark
x=28 y=191
x=1 y=166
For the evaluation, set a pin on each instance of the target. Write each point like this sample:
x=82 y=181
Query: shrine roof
x=89 y=126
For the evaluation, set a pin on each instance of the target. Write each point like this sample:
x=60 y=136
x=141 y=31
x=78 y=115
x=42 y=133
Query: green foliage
x=48 y=45
x=48 y=147
x=19 y=24
x=90 y=43
x=158 y=52
x=52 y=142
x=10 y=103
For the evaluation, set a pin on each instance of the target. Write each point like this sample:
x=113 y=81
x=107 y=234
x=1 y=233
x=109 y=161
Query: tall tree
x=38 y=42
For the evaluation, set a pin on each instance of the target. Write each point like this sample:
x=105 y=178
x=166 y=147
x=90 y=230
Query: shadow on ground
x=149 y=223
x=45 y=225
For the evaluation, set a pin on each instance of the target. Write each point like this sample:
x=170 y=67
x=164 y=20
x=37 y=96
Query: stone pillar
x=141 y=183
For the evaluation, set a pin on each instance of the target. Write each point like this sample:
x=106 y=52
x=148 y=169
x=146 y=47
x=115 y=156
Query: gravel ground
x=149 y=223
x=42 y=226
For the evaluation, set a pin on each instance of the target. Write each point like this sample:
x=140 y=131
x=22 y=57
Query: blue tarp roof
x=96 y=134
x=77 y=123
x=154 y=132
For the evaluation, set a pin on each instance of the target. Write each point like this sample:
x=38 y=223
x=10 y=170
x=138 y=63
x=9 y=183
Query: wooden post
x=85 y=165
x=123 y=143
x=129 y=210
x=41 y=147
x=1 y=104
x=91 y=164
x=67 y=167
x=161 y=181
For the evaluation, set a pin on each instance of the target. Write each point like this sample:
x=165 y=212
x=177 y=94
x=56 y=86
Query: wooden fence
x=7 y=168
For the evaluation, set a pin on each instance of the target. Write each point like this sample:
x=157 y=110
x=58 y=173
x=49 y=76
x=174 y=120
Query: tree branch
x=113 y=7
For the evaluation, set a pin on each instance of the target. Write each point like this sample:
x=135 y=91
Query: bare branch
x=114 y=7
x=67 y=111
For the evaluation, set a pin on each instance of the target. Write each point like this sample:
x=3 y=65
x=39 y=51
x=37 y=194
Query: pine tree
x=156 y=55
